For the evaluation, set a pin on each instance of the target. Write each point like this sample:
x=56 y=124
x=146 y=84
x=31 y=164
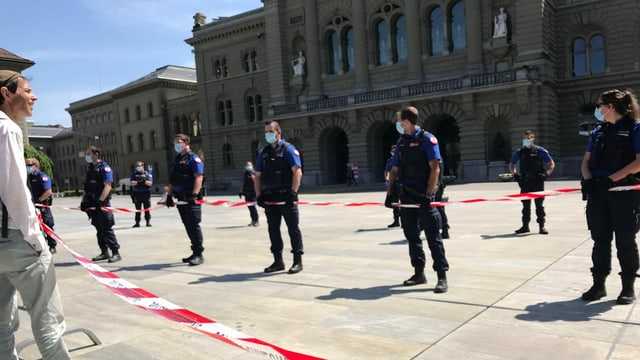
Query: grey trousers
x=33 y=277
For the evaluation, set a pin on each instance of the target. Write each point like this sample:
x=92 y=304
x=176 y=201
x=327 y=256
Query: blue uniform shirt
x=141 y=187
x=635 y=138
x=291 y=156
x=429 y=145
x=543 y=154
x=43 y=180
x=195 y=164
x=106 y=175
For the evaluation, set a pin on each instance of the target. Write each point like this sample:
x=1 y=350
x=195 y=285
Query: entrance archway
x=448 y=134
x=334 y=152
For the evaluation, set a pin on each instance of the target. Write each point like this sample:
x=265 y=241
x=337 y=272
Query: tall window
x=150 y=109
x=588 y=56
x=254 y=108
x=334 y=53
x=154 y=140
x=129 y=143
x=254 y=60
x=138 y=113
x=382 y=43
x=229 y=109
x=126 y=115
x=225 y=68
x=340 y=45
x=436 y=27
x=225 y=113
x=246 y=62
x=349 y=49
x=217 y=68
x=458 y=31
x=227 y=155
x=140 y=142
x=400 y=39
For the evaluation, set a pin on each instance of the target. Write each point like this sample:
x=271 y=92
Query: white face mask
x=88 y=159
x=270 y=137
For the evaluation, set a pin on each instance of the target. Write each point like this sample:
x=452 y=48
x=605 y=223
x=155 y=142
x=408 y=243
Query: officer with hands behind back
x=612 y=159
x=278 y=178
x=531 y=177
x=416 y=166
x=141 y=182
x=185 y=184
x=40 y=186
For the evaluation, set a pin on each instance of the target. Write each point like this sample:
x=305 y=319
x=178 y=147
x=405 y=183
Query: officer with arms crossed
x=612 y=159
x=416 y=165
x=531 y=177
x=278 y=178
x=25 y=262
x=40 y=186
x=141 y=182
x=185 y=183
x=97 y=194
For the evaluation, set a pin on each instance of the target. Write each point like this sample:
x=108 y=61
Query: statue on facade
x=298 y=65
x=199 y=19
x=500 y=24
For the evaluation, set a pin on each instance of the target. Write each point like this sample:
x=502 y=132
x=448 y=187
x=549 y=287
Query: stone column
x=474 y=37
x=277 y=62
x=313 y=48
x=361 y=48
x=414 y=43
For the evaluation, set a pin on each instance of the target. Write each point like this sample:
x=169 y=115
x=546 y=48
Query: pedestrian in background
x=416 y=167
x=612 y=159
x=97 y=195
x=141 y=182
x=25 y=262
x=41 y=194
x=387 y=169
x=532 y=159
x=247 y=189
x=278 y=178
x=185 y=184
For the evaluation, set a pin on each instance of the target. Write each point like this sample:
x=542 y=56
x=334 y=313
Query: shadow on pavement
x=569 y=310
x=372 y=293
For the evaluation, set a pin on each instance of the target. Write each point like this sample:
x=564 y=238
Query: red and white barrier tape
x=147 y=301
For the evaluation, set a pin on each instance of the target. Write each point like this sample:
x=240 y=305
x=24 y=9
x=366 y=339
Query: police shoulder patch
x=44 y=178
x=295 y=151
x=434 y=140
x=197 y=159
x=107 y=169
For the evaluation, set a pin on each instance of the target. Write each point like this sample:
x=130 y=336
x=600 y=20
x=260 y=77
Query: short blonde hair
x=33 y=161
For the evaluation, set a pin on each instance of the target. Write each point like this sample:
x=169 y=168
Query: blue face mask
x=249 y=168
x=526 y=142
x=598 y=114
x=30 y=170
x=139 y=169
x=399 y=128
x=270 y=137
x=177 y=147
x=88 y=159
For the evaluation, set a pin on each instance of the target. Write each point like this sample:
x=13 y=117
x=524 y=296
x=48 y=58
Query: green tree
x=46 y=165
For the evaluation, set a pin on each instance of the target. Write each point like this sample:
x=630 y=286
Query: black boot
x=104 y=255
x=442 y=285
x=523 y=229
x=598 y=290
x=627 y=295
x=277 y=265
x=297 y=264
x=115 y=257
x=417 y=278
x=543 y=231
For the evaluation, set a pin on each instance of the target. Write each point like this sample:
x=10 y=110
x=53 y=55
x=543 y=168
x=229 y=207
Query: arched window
x=229 y=109
x=222 y=114
x=588 y=56
x=140 y=142
x=227 y=155
x=400 y=39
x=349 y=49
x=458 y=28
x=382 y=43
x=596 y=54
x=251 y=107
x=258 y=101
x=334 y=52
x=436 y=27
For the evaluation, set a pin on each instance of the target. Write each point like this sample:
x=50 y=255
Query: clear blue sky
x=85 y=47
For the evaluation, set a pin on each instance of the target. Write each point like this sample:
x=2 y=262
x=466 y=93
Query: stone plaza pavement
x=510 y=296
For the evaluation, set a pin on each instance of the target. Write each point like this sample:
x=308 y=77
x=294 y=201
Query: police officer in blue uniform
x=40 y=186
x=612 y=159
x=387 y=170
x=247 y=189
x=97 y=194
x=185 y=184
x=416 y=166
x=531 y=177
x=141 y=182
x=277 y=180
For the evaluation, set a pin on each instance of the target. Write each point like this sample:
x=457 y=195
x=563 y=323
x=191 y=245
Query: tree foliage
x=46 y=165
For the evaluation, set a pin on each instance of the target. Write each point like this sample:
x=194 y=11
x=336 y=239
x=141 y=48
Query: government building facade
x=335 y=72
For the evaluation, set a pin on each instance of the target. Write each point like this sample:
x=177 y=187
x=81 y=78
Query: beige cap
x=8 y=75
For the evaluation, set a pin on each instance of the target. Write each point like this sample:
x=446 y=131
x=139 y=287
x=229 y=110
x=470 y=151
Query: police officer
x=387 y=170
x=612 y=159
x=40 y=186
x=416 y=167
x=141 y=182
x=531 y=177
x=277 y=180
x=247 y=189
x=97 y=194
x=185 y=184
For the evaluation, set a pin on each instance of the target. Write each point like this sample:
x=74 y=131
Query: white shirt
x=14 y=192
